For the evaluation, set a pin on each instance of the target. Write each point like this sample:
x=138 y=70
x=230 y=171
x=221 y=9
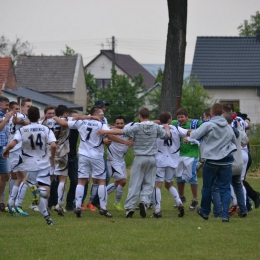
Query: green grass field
x=97 y=237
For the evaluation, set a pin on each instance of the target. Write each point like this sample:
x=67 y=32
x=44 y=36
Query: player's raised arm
x=60 y=121
x=84 y=117
x=112 y=132
x=6 y=119
x=10 y=146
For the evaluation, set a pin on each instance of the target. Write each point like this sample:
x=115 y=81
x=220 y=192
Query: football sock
x=102 y=194
x=244 y=190
x=119 y=193
x=79 y=195
x=110 y=188
x=42 y=207
x=157 y=199
x=21 y=194
x=233 y=196
x=94 y=188
x=175 y=195
x=13 y=196
x=61 y=193
x=11 y=185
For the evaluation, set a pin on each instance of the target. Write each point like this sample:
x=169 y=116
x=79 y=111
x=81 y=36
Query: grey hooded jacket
x=145 y=135
x=217 y=139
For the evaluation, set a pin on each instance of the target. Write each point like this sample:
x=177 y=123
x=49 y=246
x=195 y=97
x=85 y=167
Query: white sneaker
x=34 y=207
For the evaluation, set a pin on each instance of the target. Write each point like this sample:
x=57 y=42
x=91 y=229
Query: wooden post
x=178 y=102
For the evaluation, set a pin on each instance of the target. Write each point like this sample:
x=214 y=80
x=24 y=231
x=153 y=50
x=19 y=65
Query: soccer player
x=142 y=178
x=91 y=151
x=34 y=139
x=4 y=116
x=188 y=159
x=61 y=157
x=167 y=162
x=15 y=159
x=116 y=162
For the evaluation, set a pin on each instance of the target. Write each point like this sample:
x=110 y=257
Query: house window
x=234 y=104
x=102 y=83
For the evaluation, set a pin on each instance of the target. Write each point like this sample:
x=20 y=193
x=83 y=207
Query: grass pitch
x=97 y=237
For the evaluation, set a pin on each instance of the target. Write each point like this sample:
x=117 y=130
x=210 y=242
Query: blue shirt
x=3 y=133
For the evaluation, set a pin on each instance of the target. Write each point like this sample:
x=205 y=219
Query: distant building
x=59 y=76
x=7 y=76
x=101 y=67
x=229 y=69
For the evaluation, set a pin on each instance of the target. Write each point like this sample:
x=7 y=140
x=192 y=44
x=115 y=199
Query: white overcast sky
x=139 y=26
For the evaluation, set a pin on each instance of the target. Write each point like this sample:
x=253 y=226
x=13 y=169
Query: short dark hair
x=217 y=109
x=182 y=111
x=164 y=117
x=12 y=104
x=61 y=109
x=3 y=99
x=33 y=114
x=144 y=112
x=24 y=100
x=207 y=112
x=228 y=117
x=94 y=110
x=120 y=117
x=48 y=107
x=227 y=107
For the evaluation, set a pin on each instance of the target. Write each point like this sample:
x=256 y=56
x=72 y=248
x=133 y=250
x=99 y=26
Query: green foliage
x=123 y=96
x=194 y=97
x=250 y=28
x=14 y=48
x=92 y=87
x=159 y=77
x=154 y=98
x=69 y=51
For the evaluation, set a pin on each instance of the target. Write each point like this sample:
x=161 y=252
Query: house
x=101 y=67
x=7 y=75
x=229 y=69
x=59 y=76
x=40 y=100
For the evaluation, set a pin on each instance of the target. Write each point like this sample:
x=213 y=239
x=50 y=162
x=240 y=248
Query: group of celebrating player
x=36 y=152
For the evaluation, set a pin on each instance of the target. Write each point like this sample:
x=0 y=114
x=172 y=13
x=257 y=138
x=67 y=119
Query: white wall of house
x=249 y=102
x=101 y=68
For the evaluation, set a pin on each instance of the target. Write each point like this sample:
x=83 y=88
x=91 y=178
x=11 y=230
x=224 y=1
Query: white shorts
x=165 y=174
x=117 y=169
x=186 y=170
x=16 y=162
x=39 y=177
x=61 y=165
x=89 y=165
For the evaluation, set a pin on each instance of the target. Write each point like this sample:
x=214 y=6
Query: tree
x=250 y=28
x=123 y=96
x=14 y=49
x=92 y=87
x=194 y=98
x=175 y=55
x=69 y=51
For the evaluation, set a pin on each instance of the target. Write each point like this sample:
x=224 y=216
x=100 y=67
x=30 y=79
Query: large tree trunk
x=175 y=56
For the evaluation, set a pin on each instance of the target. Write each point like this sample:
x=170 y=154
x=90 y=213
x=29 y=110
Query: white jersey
x=117 y=151
x=169 y=149
x=91 y=145
x=14 y=127
x=34 y=138
x=62 y=135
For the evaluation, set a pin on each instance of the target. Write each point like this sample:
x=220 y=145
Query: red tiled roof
x=5 y=64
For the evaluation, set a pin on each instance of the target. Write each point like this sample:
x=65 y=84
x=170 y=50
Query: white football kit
x=34 y=139
x=91 y=148
x=15 y=156
x=168 y=154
